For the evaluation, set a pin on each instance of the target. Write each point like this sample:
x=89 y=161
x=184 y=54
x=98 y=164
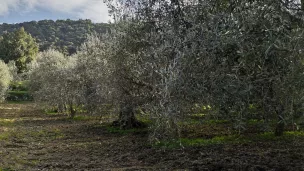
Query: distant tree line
x=62 y=35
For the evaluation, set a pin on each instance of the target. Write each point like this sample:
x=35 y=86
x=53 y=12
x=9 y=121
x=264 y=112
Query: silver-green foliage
x=94 y=74
x=5 y=78
x=228 y=55
x=53 y=80
x=166 y=56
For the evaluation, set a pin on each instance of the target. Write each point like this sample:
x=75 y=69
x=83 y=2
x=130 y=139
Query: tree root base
x=128 y=125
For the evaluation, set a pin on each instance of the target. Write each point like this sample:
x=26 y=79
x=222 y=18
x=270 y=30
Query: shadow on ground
x=32 y=140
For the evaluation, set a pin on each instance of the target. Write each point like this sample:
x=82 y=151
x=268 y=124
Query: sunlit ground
x=32 y=139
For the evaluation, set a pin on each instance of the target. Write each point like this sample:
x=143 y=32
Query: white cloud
x=7 y=5
x=95 y=10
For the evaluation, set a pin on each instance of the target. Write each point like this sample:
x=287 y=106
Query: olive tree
x=53 y=81
x=94 y=74
x=249 y=54
x=107 y=75
x=254 y=60
x=5 y=78
x=14 y=70
x=148 y=62
x=130 y=77
x=229 y=55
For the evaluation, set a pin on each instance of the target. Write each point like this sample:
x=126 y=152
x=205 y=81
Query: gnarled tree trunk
x=281 y=124
x=72 y=111
x=127 y=119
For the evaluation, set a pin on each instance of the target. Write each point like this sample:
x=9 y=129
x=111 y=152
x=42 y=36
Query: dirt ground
x=32 y=140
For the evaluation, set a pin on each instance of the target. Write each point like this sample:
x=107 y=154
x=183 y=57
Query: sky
x=17 y=11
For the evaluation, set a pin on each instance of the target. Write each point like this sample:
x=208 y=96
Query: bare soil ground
x=32 y=140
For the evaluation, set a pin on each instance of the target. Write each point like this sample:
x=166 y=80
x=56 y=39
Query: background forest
x=63 y=35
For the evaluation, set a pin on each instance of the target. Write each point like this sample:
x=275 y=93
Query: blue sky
x=16 y=11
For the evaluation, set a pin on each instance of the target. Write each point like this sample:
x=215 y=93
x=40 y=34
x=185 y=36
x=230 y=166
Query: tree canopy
x=18 y=46
x=227 y=54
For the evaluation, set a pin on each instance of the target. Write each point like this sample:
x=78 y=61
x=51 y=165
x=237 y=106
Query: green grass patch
x=11 y=134
x=6 y=169
x=23 y=135
x=232 y=139
x=257 y=122
x=198 y=115
x=254 y=121
x=269 y=136
x=7 y=122
x=5 y=135
x=199 y=141
x=203 y=121
x=144 y=119
x=52 y=134
x=217 y=121
x=82 y=118
x=54 y=110
x=19 y=102
x=117 y=130
x=51 y=113
x=19 y=86
x=19 y=96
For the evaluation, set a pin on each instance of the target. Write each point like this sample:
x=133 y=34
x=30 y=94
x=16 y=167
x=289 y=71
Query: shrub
x=5 y=78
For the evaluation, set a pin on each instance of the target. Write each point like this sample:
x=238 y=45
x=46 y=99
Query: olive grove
x=242 y=59
x=233 y=56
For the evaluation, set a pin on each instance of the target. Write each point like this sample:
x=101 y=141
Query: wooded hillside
x=64 y=35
